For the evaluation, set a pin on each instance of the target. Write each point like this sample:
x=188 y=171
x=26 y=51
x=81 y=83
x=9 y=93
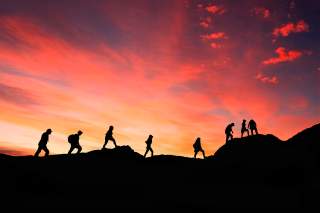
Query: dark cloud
x=5 y=68
x=16 y=96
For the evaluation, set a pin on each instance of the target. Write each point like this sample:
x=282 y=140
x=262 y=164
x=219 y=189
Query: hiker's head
x=244 y=120
x=111 y=127
x=150 y=136
x=198 y=139
x=232 y=124
x=48 y=131
x=80 y=132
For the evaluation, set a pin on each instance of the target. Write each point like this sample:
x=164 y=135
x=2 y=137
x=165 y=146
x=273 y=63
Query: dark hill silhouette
x=270 y=151
x=259 y=171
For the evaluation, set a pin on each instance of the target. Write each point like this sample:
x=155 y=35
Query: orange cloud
x=287 y=29
x=283 y=56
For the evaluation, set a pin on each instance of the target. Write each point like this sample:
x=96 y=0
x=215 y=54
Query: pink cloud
x=286 y=29
x=267 y=79
x=283 y=56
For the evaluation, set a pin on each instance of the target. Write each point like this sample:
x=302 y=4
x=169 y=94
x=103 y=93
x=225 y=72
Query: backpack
x=71 y=139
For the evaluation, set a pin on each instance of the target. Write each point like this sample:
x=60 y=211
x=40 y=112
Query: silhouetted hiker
x=74 y=142
x=244 y=128
x=42 y=145
x=197 y=148
x=149 y=142
x=253 y=127
x=229 y=132
x=109 y=137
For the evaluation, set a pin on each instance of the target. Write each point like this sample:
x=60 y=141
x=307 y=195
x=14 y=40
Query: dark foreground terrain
x=258 y=172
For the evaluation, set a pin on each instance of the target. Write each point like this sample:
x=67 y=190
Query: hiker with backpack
x=74 y=142
x=109 y=136
x=197 y=148
x=253 y=127
x=149 y=142
x=42 y=145
x=229 y=132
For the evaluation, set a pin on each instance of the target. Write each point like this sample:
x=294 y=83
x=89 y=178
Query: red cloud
x=214 y=36
x=261 y=11
x=267 y=79
x=214 y=9
x=283 y=56
x=287 y=29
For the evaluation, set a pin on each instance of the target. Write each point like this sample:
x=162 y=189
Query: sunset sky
x=177 y=69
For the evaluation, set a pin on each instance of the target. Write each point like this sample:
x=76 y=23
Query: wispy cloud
x=267 y=79
x=261 y=12
x=16 y=95
x=15 y=152
x=214 y=36
x=205 y=23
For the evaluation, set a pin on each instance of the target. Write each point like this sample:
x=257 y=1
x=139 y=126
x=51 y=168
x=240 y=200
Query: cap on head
x=49 y=131
x=111 y=127
x=244 y=119
x=150 y=136
x=232 y=124
x=80 y=132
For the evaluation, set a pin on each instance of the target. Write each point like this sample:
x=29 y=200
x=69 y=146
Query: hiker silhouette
x=197 y=148
x=74 y=142
x=149 y=142
x=252 y=125
x=42 y=145
x=244 y=128
x=109 y=137
x=229 y=132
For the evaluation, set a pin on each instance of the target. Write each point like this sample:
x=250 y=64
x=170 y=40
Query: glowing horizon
x=175 y=69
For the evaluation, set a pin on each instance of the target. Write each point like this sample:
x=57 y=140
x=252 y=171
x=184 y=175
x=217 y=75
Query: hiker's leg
x=46 y=151
x=105 y=143
x=247 y=132
x=204 y=156
x=114 y=141
x=37 y=152
x=151 y=152
x=70 y=150
x=195 y=154
x=79 y=149
x=145 y=154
